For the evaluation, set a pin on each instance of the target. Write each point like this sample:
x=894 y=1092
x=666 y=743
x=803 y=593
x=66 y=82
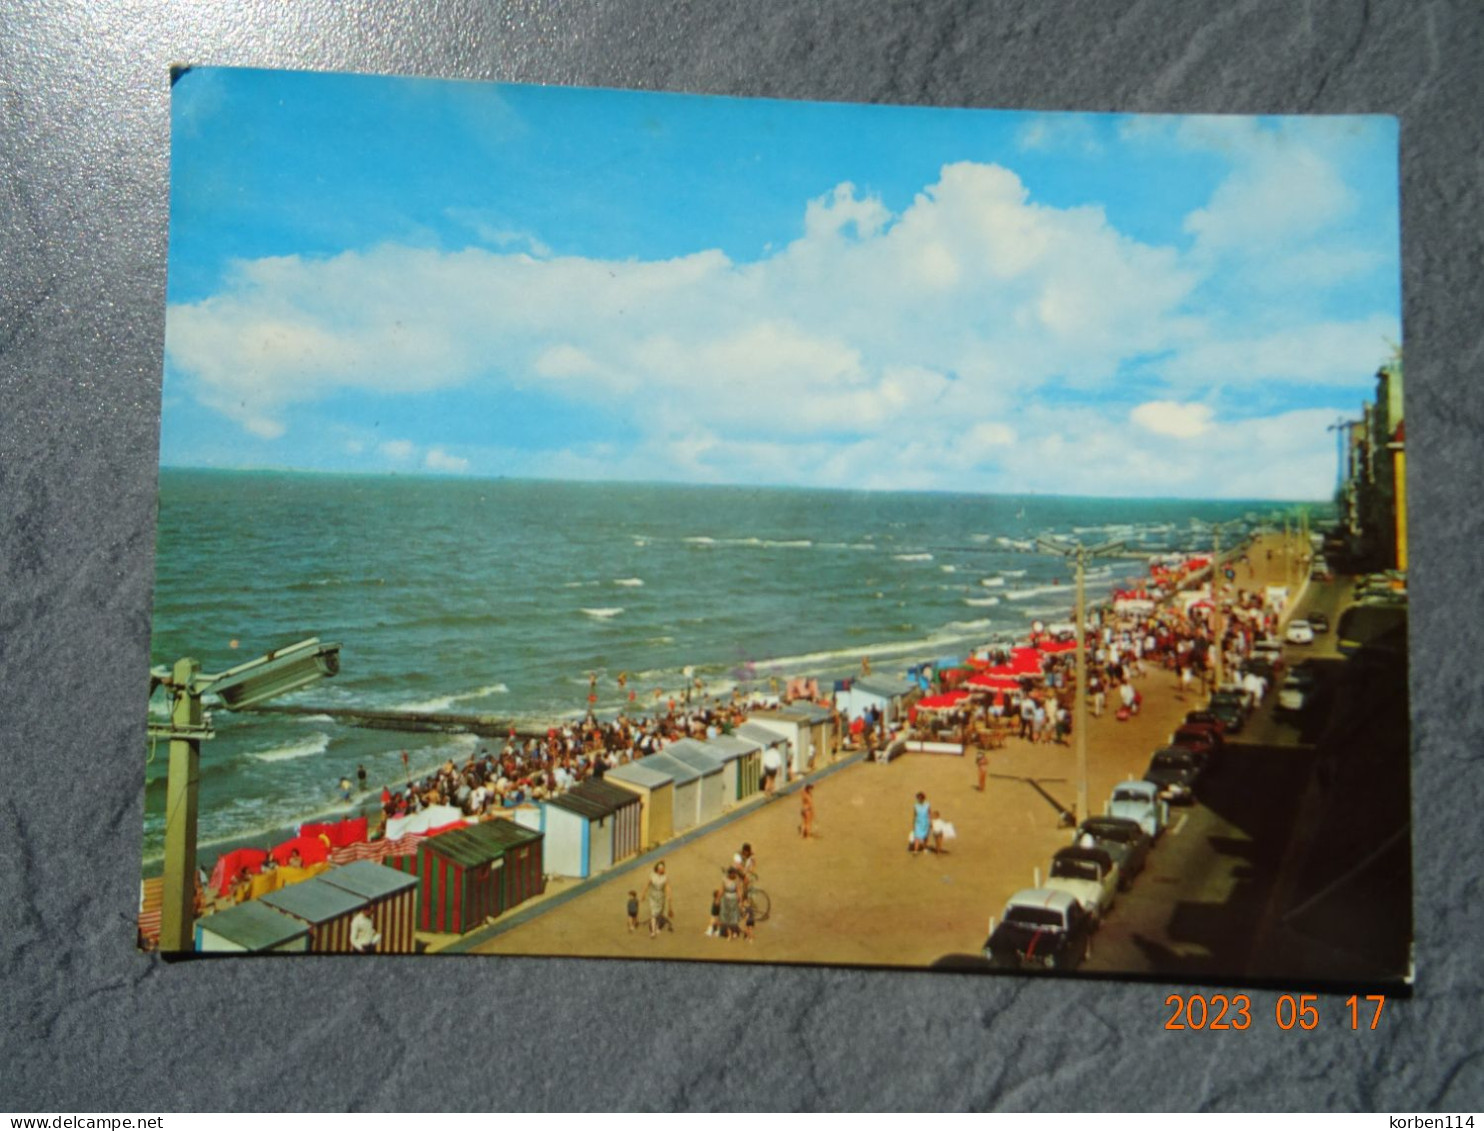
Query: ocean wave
x=992 y=582
x=628 y=582
x=700 y=541
x=602 y=614
x=305 y=748
x=443 y=702
x=949 y=568
x=983 y=602
x=1012 y=573
x=912 y=557
x=1035 y=591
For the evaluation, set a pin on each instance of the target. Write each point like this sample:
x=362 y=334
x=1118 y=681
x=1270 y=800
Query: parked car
x=1175 y=770
x=1122 y=839
x=1270 y=650
x=1231 y=707
x=1299 y=632
x=1297 y=688
x=1041 y=930
x=1139 y=801
x=1203 y=738
x=1319 y=622
x=1206 y=718
x=1088 y=874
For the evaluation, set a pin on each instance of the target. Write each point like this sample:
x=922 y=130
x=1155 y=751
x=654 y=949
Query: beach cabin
x=742 y=765
x=821 y=723
x=628 y=811
x=325 y=908
x=251 y=928
x=582 y=826
x=713 y=779
x=466 y=876
x=687 y=779
x=796 y=728
x=390 y=899
x=772 y=741
x=885 y=693
x=656 y=790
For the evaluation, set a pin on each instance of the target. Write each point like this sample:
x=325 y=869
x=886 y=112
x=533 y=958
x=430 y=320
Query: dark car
x=1231 y=708
x=1200 y=737
x=1041 y=930
x=1206 y=718
x=1319 y=622
x=1258 y=666
x=1175 y=770
x=1122 y=839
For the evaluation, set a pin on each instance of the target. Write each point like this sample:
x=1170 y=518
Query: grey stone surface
x=91 y=1025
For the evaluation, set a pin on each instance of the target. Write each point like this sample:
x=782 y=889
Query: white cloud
x=878 y=349
x=1170 y=418
x=439 y=460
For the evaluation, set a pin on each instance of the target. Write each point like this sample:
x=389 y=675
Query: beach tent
x=628 y=814
x=795 y=728
x=425 y=821
x=687 y=779
x=713 y=778
x=466 y=876
x=656 y=789
x=251 y=928
x=986 y=682
x=391 y=901
x=327 y=910
x=742 y=765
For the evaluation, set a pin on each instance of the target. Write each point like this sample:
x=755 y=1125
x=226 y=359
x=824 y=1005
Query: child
x=714 y=927
x=748 y=919
x=633 y=910
x=942 y=830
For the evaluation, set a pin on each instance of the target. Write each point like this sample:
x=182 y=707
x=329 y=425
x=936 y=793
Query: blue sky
x=415 y=276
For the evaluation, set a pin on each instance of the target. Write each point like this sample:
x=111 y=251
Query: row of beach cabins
x=436 y=873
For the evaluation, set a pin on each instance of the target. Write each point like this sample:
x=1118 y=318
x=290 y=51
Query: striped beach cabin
x=713 y=778
x=589 y=827
x=391 y=901
x=326 y=909
x=656 y=790
x=466 y=876
x=251 y=928
x=742 y=765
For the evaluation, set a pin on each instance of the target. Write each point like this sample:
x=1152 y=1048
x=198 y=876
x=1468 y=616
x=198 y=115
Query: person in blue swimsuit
x=921 y=823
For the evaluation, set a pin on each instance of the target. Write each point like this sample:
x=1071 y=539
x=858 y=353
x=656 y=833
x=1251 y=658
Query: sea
x=520 y=599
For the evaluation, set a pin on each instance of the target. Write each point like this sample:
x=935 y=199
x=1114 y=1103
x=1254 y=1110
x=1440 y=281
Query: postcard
x=614 y=524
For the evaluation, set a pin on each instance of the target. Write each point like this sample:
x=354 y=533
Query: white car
x=1088 y=875
x=1300 y=632
x=1139 y=801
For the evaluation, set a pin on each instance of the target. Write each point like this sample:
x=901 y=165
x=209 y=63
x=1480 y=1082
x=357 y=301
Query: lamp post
x=239 y=688
x=1080 y=554
x=1218 y=622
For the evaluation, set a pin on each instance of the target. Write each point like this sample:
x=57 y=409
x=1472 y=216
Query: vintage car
x=1231 y=707
x=1041 y=930
x=1318 y=622
x=1205 y=718
x=1121 y=839
x=1089 y=874
x=1299 y=632
x=1200 y=737
x=1175 y=770
x=1139 y=801
x=1297 y=689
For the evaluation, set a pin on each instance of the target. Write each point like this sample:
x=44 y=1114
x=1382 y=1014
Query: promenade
x=854 y=894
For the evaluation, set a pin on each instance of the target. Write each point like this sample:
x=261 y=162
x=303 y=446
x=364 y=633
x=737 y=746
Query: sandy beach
x=854 y=894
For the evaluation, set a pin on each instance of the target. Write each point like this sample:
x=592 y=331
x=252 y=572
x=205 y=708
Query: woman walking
x=922 y=817
x=657 y=894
